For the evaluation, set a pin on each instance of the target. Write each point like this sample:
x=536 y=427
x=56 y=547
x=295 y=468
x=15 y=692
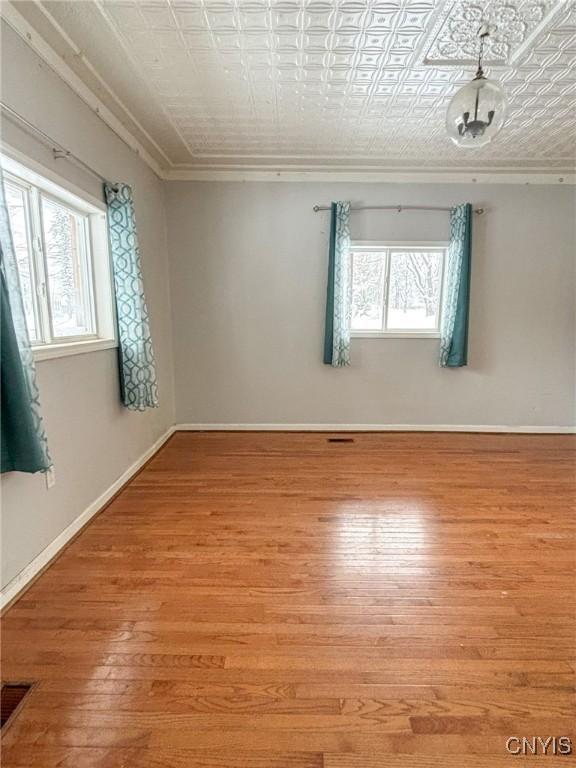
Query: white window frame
x=385 y=247
x=38 y=182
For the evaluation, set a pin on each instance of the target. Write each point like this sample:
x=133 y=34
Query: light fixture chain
x=484 y=33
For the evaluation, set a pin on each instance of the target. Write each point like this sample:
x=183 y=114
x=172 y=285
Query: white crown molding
x=496 y=428
x=37 y=43
x=25 y=578
x=78 y=54
x=364 y=175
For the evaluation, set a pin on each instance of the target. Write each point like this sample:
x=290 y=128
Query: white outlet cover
x=51 y=478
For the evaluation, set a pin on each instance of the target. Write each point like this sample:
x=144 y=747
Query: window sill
x=394 y=335
x=51 y=351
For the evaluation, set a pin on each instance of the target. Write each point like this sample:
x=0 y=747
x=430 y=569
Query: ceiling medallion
x=477 y=111
x=513 y=25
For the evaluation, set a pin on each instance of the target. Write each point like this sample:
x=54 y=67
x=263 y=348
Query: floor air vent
x=340 y=439
x=11 y=698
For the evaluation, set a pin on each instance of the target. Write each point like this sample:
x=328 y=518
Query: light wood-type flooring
x=276 y=600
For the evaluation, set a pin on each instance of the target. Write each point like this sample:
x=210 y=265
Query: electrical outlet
x=51 y=478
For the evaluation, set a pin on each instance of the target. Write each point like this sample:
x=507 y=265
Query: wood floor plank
x=76 y=757
x=436 y=761
x=277 y=601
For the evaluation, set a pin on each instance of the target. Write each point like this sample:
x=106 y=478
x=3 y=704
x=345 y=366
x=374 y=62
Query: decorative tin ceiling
x=341 y=83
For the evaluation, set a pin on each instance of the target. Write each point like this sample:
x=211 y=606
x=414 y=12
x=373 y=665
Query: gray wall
x=93 y=440
x=248 y=276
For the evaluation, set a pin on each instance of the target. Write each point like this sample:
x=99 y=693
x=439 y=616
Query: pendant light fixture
x=477 y=111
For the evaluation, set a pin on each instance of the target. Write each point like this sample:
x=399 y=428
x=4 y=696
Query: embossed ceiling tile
x=370 y=60
x=408 y=89
x=222 y=6
x=318 y=17
x=255 y=59
x=348 y=77
x=386 y=13
x=288 y=41
x=417 y=76
x=288 y=18
x=348 y=42
x=158 y=16
x=286 y=75
x=314 y=60
x=255 y=19
x=315 y=42
x=391 y=75
x=260 y=75
x=416 y=14
x=336 y=77
x=256 y=41
x=197 y=41
x=364 y=76
x=226 y=41
x=120 y=3
x=310 y=82
x=398 y=58
x=190 y=18
x=336 y=90
x=343 y=59
x=420 y=111
x=566 y=58
x=352 y=17
x=568 y=91
x=559 y=38
x=288 y=59
x=357 y=89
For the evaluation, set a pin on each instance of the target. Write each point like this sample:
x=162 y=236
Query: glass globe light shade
x=476 y=113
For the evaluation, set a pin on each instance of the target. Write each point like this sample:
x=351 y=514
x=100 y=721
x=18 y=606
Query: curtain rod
x=58 y=151
x=397 y=208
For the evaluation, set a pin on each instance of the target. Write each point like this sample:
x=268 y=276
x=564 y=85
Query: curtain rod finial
x=480 y=211
x=316 y=208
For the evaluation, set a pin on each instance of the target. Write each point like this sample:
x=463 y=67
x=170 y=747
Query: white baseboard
x=21 y=581
x=373 y=428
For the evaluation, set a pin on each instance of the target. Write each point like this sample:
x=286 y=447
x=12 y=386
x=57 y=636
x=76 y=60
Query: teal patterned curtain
x=456 y=298
x=137 y=369
x=23 y=445
x=338 y=297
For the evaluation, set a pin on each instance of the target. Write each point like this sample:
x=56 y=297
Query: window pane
x=18 y=213
x=368 y=272
x=414 y=292
x=68 y=275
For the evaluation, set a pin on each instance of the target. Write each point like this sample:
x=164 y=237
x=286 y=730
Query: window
x=397 y=289
x=60 y=243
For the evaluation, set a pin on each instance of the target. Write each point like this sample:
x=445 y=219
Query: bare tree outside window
x=414 y=289
x=396 y=290
x=368 y=290
x=66 y=266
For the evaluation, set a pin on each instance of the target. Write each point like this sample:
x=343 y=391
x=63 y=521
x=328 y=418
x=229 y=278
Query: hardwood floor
x=279 y=601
